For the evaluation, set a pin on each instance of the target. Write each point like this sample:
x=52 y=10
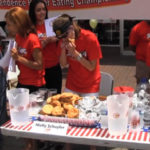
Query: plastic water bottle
x=142 y=96
x=146 y=116
x=141 y=88
x=142 y=85
x=104 y=116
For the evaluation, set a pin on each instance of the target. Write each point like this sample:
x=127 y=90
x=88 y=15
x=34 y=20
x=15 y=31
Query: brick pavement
x=123 y=76
x=122 y=69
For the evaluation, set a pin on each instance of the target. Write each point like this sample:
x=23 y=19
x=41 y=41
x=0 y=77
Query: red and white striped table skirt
x=81 y=135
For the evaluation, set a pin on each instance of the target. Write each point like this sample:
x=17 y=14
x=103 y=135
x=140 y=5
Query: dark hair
x=32 y=10
x=61 y=24
x=21 y=19
x=77 y=28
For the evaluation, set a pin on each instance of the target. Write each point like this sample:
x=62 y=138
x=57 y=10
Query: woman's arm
x=63 y=56
x=90 y=65
x=36 y=64
x=47 y=40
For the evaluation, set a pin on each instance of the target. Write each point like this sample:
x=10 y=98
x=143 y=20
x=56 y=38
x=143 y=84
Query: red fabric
x=80 y=79
x=26 y=46
x=123 y=89
x=51 y=52
x=139 y=37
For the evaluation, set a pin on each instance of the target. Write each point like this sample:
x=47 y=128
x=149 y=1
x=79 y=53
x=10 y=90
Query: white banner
x=135 y=9
x=88 y=9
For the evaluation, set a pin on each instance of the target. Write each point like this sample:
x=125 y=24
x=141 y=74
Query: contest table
x=81 y=135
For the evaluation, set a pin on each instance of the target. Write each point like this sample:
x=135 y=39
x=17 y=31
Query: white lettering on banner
x=57 y=3
x=71 y=3
x=83 y=2
x=50 y=127
x=46 y=1
x=21 y=3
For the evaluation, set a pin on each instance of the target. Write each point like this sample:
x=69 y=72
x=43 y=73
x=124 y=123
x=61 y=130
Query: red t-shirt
x=26 y=46
x=51 y=52
x=79 y=78
x=139 y=36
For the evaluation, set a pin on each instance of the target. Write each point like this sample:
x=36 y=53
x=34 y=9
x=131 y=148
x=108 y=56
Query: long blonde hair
x=20 y=18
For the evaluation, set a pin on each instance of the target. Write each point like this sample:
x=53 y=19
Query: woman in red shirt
x=27 y=53
x=81 y=50
x=53 y=75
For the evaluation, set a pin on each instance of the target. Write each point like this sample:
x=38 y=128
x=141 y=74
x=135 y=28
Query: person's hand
x=45 y=40
x=52 y=39
x=71 y=32
x=71 y=49
x=14 y=54
x=63 y=44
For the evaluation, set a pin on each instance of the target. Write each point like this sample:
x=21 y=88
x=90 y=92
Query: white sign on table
x=50 y=127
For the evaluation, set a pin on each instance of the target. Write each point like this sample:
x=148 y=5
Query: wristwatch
x=79 y=57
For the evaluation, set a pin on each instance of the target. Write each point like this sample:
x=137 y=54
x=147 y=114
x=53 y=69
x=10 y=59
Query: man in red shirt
x=139 y=38
x=82 y=51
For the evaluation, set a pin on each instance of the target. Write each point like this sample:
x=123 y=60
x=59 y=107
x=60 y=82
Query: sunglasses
x=65 y=34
